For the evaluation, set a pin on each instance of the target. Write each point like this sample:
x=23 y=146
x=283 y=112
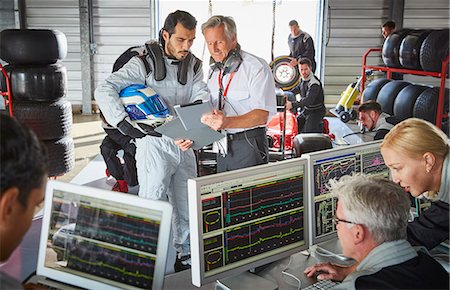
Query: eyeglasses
x=336 y=220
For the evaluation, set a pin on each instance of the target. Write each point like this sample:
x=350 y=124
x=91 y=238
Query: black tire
x=36 y=83
x=410 y=48
x=32 y=46
x=391 y=48
x=372 y=90
x=353 y=115
x=434 y=50
x=406 y=98
x=61 y=156
x=388 y=94
x=427 y=102
x=285 y=76
x=345 y=116
x=48 y=120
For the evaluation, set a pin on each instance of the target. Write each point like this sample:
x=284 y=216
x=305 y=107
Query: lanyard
x=223 y=93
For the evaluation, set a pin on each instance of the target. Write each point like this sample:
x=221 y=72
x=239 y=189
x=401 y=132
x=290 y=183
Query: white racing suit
x=162 y=168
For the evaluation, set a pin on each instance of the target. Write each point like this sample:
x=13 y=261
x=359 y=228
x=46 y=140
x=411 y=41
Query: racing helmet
x=144 y=105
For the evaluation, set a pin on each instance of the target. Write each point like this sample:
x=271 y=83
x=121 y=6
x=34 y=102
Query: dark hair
x=24 y=161
x=187 y=20
x=389 y=24
x=370 y=105
x=293 y=22
x=305 y=60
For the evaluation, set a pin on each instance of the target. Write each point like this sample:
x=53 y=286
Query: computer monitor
x=99 y=239
x=334 y=163
x=247 y=218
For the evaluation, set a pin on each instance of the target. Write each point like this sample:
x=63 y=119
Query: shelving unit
x=389 y=70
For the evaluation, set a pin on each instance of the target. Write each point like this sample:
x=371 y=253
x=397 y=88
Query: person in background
x=243 y=95
x=372 y=231
x=301 y=45
x=417 y=153
x=24 y=169
x=387 y=28
x=163 y=165
x=373 y=119
x=310 y=120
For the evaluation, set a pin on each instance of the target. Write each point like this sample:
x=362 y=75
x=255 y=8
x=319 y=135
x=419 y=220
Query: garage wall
x=353 y=27
x=116 y=28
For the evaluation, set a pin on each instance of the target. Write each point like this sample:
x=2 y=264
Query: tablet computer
x=190 y=114
x=200 y=136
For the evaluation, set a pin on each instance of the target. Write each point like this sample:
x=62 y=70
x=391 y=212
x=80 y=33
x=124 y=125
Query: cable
x=353 y=133
x=325 y=253
x=292 y=275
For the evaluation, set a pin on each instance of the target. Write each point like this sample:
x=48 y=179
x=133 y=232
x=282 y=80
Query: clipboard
x=200 y=136
x=190 y=114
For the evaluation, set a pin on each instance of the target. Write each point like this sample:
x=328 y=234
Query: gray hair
x=217 y=20
x=375 y=202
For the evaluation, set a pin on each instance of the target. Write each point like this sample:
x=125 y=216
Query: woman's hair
x=217 y=20
x=415 y=137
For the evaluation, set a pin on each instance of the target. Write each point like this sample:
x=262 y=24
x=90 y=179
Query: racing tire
x=48 y=120
x=285 y=76
x=410 y=48
x=32 y=46
x=427 y=103
x=353 y=115
x=391 y=48
x=61 y=156
x=388 y=94
x=405 y=101
x=36 y=83
x=434 y=50
x=372 y=90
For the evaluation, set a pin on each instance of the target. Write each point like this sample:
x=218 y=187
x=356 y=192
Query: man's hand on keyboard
x=328 y=271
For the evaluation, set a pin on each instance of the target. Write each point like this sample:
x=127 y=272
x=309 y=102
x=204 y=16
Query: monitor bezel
x=195 y=218
x=163 y=239
x=324 y=154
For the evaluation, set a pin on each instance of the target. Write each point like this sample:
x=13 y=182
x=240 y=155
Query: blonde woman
x=417 y=153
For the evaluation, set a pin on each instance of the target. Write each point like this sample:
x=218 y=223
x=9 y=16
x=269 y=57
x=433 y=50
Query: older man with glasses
x=371 y=219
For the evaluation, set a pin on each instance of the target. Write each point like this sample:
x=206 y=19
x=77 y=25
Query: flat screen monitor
x=334 y=163
x=247 y=218
x=99 y=239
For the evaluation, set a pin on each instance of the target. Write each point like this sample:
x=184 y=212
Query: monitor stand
x=245 y=280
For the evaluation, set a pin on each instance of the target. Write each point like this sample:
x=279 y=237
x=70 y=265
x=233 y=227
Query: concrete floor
x=87 y=134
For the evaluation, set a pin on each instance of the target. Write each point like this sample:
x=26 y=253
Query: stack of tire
x=38 y=82
x=423 y=49
x=414 y=49
x=405 y=100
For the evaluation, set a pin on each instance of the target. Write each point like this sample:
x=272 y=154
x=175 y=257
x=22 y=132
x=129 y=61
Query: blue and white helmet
x=144 y=105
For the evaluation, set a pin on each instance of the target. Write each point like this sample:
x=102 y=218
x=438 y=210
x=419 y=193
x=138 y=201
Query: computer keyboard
x=321 y=285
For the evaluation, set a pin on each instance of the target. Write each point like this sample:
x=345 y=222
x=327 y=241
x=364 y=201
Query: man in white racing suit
x=163 y=165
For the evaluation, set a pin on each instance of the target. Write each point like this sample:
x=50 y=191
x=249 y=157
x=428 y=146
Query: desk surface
x=294 y=265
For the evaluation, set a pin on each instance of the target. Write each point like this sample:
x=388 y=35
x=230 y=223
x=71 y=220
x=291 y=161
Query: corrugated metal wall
x=116 y=28
x=62 y=15
x=353 y=27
